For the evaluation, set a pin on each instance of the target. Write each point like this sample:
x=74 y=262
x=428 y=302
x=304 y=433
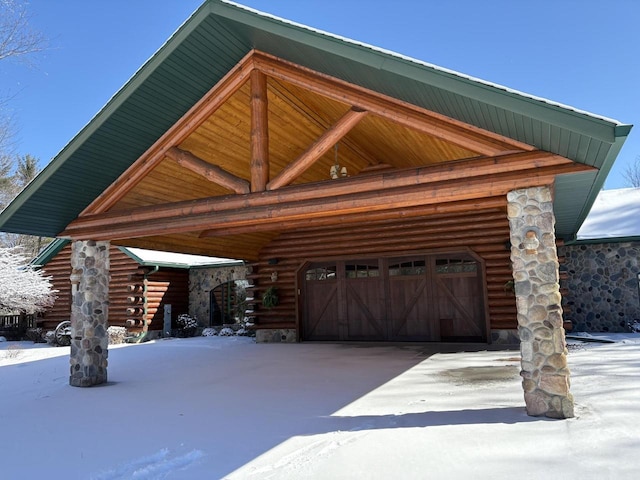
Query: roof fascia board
x=106 y=111
x=493 y=94
x=598 y=183
x=592 y=241
x=49 y=252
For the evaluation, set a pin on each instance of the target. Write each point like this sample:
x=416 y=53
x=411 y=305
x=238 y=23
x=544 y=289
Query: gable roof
x=615 y=216
x=144 y=257
x=220 y=33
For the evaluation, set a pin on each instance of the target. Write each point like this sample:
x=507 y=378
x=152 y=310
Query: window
x=415 y=267
x=362 y=270
x=321 y=273
x=455 y=265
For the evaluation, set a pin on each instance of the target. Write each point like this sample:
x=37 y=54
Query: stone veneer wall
x=202 y=281
x=545 y=375
x=603 y=286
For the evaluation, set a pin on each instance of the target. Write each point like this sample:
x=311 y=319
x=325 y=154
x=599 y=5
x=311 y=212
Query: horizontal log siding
x=167 y=287
x=59 y=269
x=126 y=274
x=484 y=232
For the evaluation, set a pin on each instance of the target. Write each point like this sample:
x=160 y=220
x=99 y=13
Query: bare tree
x=632 y=173
x=17 y=39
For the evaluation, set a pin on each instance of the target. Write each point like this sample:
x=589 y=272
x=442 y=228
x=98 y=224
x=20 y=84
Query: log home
x=141 y=283
x=382 y=198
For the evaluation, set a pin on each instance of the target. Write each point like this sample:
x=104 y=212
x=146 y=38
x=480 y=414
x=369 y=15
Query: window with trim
x=455 y=265
x=409 y=268
x=321 y=273
x=362 y=270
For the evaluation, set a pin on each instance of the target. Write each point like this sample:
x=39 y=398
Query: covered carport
x=416 y=194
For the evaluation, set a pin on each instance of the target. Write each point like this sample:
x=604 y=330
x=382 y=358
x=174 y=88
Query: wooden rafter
x=422 y=120
x=259 y=132
x=327 y=140
x=202 y=110
x=213 y=173
x=395 y=190
x=294 y=102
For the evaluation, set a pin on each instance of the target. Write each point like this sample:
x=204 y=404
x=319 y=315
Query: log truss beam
x=440 y=126
x=454 y=182
x=257 y=66
x=202 y=110
x=321 y=146
x=213 y=173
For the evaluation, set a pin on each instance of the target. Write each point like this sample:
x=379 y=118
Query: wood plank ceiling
x=253 y=159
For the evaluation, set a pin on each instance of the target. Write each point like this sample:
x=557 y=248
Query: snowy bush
x=209 y=332
x=22 y=288
x=187 y=326
x=227 y=332
x=187 y=321
x=635 y=326
x=36 y=335
x=116 y=335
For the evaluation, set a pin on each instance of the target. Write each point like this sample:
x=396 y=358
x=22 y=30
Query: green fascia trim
x=593 y=241
x=49 y=252
x=239 y=263
x=103 y=115
x=598 y=183
x=486 y=92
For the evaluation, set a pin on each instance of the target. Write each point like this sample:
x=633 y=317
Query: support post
x=545 y=375
x=89 y=312
x=259 y=132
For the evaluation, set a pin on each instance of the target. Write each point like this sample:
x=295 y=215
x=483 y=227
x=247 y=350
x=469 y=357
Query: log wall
x=129 y=292
x=486 y=232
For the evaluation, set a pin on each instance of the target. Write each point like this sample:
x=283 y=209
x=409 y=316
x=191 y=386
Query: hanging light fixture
x=336 y=171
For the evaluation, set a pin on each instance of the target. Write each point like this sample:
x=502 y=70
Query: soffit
x=219 y=34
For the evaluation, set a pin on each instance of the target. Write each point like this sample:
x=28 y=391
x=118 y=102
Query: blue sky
x=583 y=53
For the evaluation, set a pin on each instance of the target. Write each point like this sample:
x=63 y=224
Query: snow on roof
x=155 y=257
x=615 y=214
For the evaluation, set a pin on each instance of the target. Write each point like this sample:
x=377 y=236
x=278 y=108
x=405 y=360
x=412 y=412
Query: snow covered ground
x=210 y=407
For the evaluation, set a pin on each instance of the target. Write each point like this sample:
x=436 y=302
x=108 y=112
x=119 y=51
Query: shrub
x=116 y=335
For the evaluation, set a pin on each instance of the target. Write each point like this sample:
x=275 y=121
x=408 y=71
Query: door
x=425 y=298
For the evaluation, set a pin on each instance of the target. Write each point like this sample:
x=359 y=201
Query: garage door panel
x=420 y=298
x=411 y=310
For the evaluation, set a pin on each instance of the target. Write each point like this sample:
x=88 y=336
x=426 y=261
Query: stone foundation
x=89 y=313
x=282 y=335
x=536 y=280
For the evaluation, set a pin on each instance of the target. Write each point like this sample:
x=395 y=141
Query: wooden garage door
x=417 y=298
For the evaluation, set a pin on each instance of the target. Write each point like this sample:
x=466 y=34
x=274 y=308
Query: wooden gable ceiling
x=252 y=158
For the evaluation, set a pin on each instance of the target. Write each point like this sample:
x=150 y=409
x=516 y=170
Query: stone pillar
x=545 y=375
x=89 y=313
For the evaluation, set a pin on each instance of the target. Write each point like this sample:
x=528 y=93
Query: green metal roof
x=220 y=33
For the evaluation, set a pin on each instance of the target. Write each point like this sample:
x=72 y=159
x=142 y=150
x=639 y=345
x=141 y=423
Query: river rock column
x=545 y=375
x=89 y=312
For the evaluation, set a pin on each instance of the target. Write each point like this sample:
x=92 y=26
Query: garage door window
x=455 y=265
